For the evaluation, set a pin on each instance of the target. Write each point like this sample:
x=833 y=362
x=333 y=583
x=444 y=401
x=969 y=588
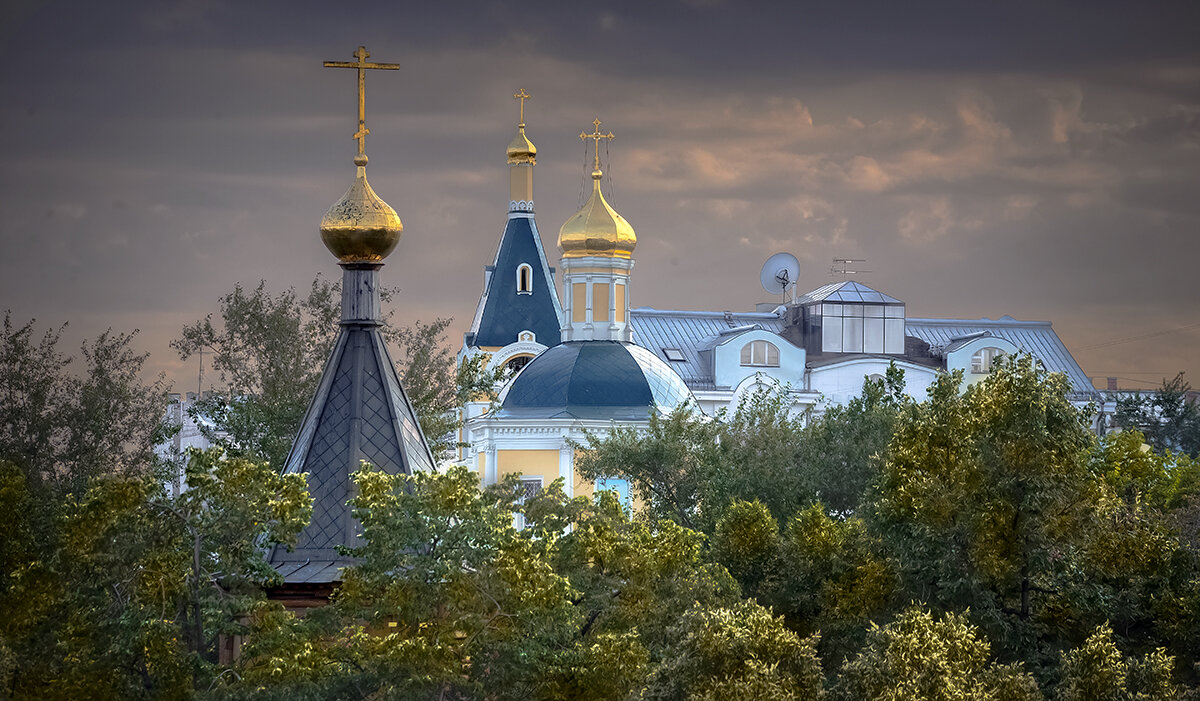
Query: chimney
x=1112 y=384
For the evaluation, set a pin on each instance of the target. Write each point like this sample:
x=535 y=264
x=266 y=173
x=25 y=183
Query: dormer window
x=524 y=279
x=983 y=360
x=760 y=354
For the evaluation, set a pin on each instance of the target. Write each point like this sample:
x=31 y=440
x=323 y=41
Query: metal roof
x=593 y=380
x=847 y=291
x=360 y=412
x=502 y=312
x=1034 y=337
x=692 y=332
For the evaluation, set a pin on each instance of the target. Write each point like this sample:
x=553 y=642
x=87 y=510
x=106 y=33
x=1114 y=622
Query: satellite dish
x=779 y=273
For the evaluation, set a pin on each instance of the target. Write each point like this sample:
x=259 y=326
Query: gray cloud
x=984 y=164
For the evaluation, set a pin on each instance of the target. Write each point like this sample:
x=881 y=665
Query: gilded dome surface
x=597 y=229
x=521 y=150
x=360 y=227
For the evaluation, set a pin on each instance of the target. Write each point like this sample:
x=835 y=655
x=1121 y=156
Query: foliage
x=268 y=352
x=919 y=656
x=831 y=577
x=839 y=454
x=1169 y=418
x=63 y=429
x=746 y=541
x=630 y=574
x=689 y=468
x=980 y=492
x=119 y=592
x=737 y=652
x=448 y=599
x=1097 y=671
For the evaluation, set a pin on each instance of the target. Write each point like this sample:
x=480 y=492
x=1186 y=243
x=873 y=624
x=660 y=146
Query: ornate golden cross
x=361 y=64
x=596 y=136
x=522 y=96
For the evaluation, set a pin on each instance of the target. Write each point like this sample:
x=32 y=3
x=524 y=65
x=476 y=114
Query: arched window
x=760 y=354
x=981 y=362
x=524 y=279
x=516 y=363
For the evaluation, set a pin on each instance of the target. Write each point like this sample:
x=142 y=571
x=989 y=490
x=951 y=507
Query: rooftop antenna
x=780 y=272
x=200 y=379
x=842 y=266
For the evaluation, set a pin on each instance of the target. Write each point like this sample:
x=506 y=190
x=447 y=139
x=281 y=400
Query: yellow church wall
x=481 y=466
x=600 y=301
x=620 y=290
x=530 y=463
x=520 y=183
x=578 y=302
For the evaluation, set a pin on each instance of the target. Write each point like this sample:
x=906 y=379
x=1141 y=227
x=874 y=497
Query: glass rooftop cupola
x=849 y=317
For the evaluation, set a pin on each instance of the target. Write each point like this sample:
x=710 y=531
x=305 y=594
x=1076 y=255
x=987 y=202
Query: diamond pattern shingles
x=364 y=415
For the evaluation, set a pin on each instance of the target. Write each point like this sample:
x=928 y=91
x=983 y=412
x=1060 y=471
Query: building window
x=984 y=359
x=514 y=365
x=673 y=354
x=524 y=279
x=760 y=354
x=530 y=487
x=862 y=328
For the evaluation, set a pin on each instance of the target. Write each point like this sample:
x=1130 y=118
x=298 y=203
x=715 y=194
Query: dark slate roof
x=847 y=291
x=502 y=313
x=593 y=380
x=360 y=412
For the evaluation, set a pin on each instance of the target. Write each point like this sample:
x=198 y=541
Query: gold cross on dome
x=596 y=136
x=522 y=96
x=361 y=64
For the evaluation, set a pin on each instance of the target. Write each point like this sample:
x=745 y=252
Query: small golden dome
x=521 y=150
x=597 y=229
x=360 y=227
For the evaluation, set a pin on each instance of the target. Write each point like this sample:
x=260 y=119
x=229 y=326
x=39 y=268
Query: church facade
x=612 y=364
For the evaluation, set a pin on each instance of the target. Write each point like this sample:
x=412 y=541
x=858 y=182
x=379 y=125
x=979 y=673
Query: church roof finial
x=597 y=229
x=521 y=150
x=361 y=227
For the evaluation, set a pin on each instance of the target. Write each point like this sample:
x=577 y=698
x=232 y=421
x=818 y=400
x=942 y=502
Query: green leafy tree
x=1129 y=566
x=830 y=576
x=665 y=467
x=980 y=493
x=690 y=468
x=64 y=428
x=737 y=652
x=920 y=656
x=1169 y=418
x=1097 y=671
x=448 y=600
x=269 y=350
x=630 y=574
x=839 y=454
x=119 y=592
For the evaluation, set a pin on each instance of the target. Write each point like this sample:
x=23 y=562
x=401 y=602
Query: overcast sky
x=1035 y=159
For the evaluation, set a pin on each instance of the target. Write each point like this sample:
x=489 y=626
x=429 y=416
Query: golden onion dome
x=597 y=229
x=521 y=150
x=361 y=227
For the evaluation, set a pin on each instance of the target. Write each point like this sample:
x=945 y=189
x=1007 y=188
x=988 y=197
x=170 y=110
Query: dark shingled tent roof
x=360 y=412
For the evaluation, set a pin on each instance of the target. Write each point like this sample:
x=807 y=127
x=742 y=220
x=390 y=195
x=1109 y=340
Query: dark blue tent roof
x=594 y=380
x=503 y=312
